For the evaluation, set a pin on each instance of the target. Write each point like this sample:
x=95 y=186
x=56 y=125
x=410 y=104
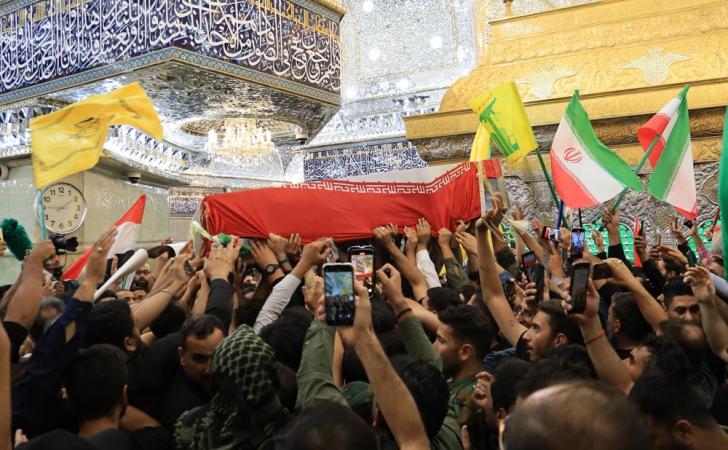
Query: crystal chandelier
x=243 y=143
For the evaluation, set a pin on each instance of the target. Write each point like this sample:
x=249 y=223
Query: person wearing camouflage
x=245 y=412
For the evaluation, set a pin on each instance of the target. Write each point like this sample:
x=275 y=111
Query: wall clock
x=64 y=208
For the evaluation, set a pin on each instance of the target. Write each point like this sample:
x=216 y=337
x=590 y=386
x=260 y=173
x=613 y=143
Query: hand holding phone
x=552 y=234
x=363 y=260
x=529 y=263
x=579 y=287
x=577 y=243
x=601 y=271
x=339 y=293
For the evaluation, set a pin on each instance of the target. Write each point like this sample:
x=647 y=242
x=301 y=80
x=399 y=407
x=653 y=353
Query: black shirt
x=181 y=395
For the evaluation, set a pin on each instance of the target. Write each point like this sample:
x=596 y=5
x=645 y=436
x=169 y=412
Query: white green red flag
x=586 y=173
x=673 y=175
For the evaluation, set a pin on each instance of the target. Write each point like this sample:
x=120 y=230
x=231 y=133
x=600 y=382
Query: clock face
x=64 y=208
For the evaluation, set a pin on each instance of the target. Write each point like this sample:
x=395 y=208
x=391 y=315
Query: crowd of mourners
x=455 y=348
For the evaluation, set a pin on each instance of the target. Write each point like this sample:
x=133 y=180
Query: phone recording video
x=529 y=264
x=362 y=258
x=552 y=234
x=601 y=271
x=577 y=243
x=578 y=289
x=339 y=293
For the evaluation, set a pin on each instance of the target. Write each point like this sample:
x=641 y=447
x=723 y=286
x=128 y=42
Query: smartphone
x=578 y=289
x=658 y=238
x=339 y=293
x=601 y=271
x=529 y=264
x=688 y=223
x=577 y=243
x=552 y=234
x=692 y=261
x=640 y=227
x=674 y=221
x=539 y=273
x=509 y=289
x=362 y=258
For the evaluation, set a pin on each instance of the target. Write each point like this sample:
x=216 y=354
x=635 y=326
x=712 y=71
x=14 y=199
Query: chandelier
x=243 y=143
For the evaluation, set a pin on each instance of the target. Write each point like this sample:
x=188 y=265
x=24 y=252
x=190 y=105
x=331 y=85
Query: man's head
x=96 y=383
x=675 y=411
x=718 y=267
x=690 y=337
x=112 y=323
x=138 y=293
x=625 y=322
x=500 y=396
x=199 y=337
x=324 y=425
x=680 y=302
x=580 y=415
x=657 y=353
x=429 y=391
x=286 y=336
x=524 y=314
x=556 y=368
x=440 y=299
x=551 y=328
x=53 y=262
x=463 y=338
x=141 y=277
x=125 y=295
x=50 y=309
x=474 y=278
x=669 y=268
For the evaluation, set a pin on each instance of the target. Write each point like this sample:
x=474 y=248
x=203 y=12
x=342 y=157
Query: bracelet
x=168 y=292
x=601 y=335
x=396 y=319
x=284 y=260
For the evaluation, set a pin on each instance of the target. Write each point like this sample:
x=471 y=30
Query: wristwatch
x=271 y=268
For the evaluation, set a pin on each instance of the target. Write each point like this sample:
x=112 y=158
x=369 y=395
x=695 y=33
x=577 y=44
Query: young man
x=681 y=303
x=496 y=394
x=679 y=419
x=626 y=326
x=551 y=327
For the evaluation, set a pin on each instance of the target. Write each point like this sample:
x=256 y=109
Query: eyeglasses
x=143 y=272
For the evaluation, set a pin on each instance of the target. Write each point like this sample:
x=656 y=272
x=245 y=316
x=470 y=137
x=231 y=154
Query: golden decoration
x=656 y=67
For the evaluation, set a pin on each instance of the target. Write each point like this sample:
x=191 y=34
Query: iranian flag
x=673 y=175
x=123 y=248
x=586 y=173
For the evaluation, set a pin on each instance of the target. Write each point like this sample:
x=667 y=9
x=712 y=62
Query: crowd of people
x=455 y=347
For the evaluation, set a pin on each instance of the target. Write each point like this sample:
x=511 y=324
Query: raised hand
x=362 y=317
x=444 y=236
x=293 y=246
x=621 y=275
x=278 y=245
x=598 y=240
x=262 y=254
x=410 y=245
x=462 y=226
x=611 y=220
x=96 y=265
x=702 y=283
x=592 y=305
x=518 y=214
x=179 y=276
x=42 y=252
x=393 y=230
x=480 y=392
x=674 y=254
x=382 y=236
x=565 y=238
x=217 y=265
x=48 y=289
x=495 y=214
x=391 y=283
x=311 y=297
x=468 y=241
x=315 y=254
x=424 y=232
x=677 y=233
x=640 y=248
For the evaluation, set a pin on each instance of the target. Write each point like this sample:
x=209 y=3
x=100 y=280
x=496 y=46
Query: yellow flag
x=71 y=140
x=502 y=113
x=481 y=145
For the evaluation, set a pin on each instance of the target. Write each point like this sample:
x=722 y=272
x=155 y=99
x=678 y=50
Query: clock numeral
x=70 y=224
x=61 y=189
x=75 y=216
x=75 y=198
x=78 y=207
x=53 y=192
x=46 y=199
x=46 y=217
x=69 y=193
x=60 y=225
x=53 y=223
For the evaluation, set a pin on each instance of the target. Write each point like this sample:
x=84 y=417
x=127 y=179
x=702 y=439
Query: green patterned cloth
x=245 y=411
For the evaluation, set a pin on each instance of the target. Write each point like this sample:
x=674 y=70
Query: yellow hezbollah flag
x=71 y=140
x=481 y=145
x=502 y=113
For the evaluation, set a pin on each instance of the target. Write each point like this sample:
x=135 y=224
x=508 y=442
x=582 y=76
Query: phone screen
x=579 y=282
x=601 y=272
x=339 y=294
x=577 y=242
x=529 y=263
x=362 y=258
x=552 y=234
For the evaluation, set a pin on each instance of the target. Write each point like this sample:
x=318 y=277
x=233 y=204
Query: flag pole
x=636 y=171
x=43 y=230
x=548 y=178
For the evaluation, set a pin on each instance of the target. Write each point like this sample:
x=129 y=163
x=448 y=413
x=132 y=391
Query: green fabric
x=244 y=412
x=676 y=147
x=315 y=379
x=457 y=280
x=357 y=393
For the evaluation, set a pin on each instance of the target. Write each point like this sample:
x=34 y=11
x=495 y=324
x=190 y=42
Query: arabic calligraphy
x=50 y=39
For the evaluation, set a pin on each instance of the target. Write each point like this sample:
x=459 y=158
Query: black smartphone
x=578 y=289
x=539 y=275
x=688 y=223
x=577 y=243
x=601 y=271
x=339 y=293
x=509 y=289
x=552 y=234
x=362 y=258
x=529 y=264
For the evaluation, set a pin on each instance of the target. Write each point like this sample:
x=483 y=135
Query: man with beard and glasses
x=143 y=277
